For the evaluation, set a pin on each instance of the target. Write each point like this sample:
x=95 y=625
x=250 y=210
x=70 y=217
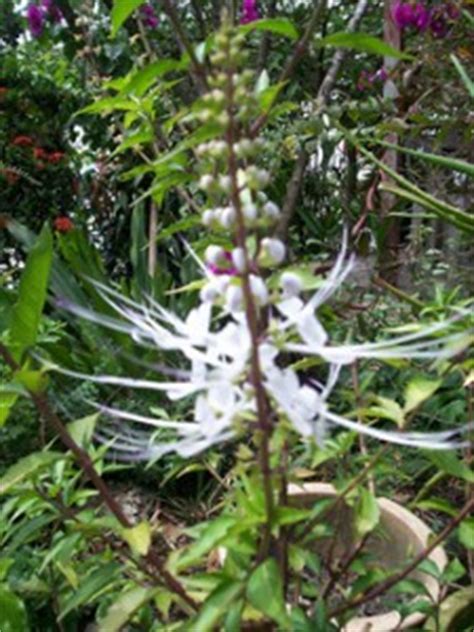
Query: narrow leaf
x=124 y=607
x=25 y=468
x=367 y=513
x=363 y=43
x=279 y=26
x=265 y=592
x=121 y=10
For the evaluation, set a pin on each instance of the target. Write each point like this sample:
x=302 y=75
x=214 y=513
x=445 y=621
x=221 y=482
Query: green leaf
x=367 y=512
x=448 y=462
x=12 y=612
x=453 y=572
x=138 y=537
x=418 y=390
x=216 y=606
x=27 y=467
x=279 y=26
x=141 y=80
x=110 y=104
x=124 y=607
x=443 y=161
x=32 y=294
x=32 y=381
x=82 y=430
x=121 y=10
x=387 y=409
x=464 y=76
x=209 y=537
x=466 y=533
x=457 y=611
x=7 y=401
x=363 y=43
x=291 y=515
x=91 y=586
x=265 y=592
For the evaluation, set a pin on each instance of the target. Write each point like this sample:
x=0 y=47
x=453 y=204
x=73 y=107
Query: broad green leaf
x=216 y=606
x=124 y=607
x=468 y=82
x=82 y=430
x=448 y=462
x=32 y=381
x=419 y=390
x=265 y=592
x=24 y=468
x=90 y=587
x=367 y=512
x=209 y=537
x=387 y=409
x=138 y=538
x=279 y=26
x=121 y=10
x=364 y=43
x=466 y=533
x=13 y=616
x=32 y=294
x=453 y=572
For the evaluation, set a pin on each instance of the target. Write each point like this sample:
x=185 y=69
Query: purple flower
x=416 y=15
x=149 y=16
x=249 y=12
x=35 y=17
x=367 y=80
x=441 y=18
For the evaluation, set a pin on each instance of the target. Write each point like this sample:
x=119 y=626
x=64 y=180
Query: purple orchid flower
x=441 y=19
x=249 y=12
x=35 y=17
x=416 y=15
x=150 y=19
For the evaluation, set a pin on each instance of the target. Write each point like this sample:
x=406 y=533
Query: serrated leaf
x=419 y=390
x=121 y=10
x=363 y=43
x=466 y=533
x=27 y=467
x=279 y=26
x=124 y=607
x=265 y=592
x=367 y=512
x=138 y=537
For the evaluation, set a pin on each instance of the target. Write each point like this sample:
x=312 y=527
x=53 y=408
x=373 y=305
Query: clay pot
x=399 y=537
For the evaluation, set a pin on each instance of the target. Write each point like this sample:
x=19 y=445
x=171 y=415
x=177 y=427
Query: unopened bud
x=272 y=252
x=291 y=284
x=259 y=289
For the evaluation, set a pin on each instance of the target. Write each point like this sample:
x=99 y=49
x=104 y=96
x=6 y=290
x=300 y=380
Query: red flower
x=23 y=141
x=56 y=157
x=63 y=224
x=40 y=154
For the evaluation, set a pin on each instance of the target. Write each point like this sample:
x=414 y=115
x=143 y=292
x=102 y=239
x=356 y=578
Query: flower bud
x=208 y=217
x=259 y=289
x=227 y=217
x=206 y=182
x=272 y=252
x=238 y=259
x=215 y=255
x=271 y=210
x=250 y=212
x=225 y=184
x=290 y=284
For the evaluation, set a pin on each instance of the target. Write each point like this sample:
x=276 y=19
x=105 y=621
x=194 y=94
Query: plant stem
x=83 y=459
x=264 y=422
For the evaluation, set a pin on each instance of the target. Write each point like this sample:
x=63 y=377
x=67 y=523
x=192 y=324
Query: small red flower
x=63 y=224
x=40 y=154
x=56 y=157
x=23 y=141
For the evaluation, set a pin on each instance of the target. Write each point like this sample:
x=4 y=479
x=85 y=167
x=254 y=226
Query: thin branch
x=339 y=56
x=292 y=195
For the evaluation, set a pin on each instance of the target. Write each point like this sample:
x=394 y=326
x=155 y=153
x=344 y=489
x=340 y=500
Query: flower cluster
x=419 y=17
x=63 y=224
x=38 y=15
x=251 y=315
x=249 y=12
x=149 y=16
x=42 y=156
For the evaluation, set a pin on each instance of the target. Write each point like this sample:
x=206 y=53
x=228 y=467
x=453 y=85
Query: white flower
x=215 y=255
x=273 y=252
x=290 y=284
x=259 y=289
x=271 y=211
x=234 y=299
x=238 y=259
